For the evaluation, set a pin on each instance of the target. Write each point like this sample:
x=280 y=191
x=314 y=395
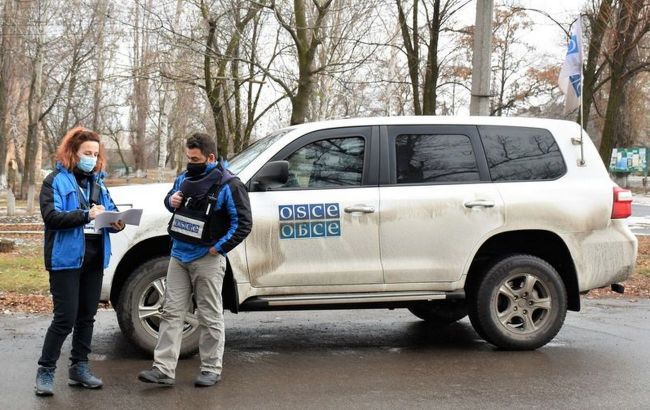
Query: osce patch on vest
x=187 y=226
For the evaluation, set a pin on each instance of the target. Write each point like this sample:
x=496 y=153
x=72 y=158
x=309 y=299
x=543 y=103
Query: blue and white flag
x=570 y=79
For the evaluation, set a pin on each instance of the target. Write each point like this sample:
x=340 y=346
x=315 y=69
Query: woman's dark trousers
x=75 y=293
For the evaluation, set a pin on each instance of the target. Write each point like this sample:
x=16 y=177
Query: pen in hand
x=94 y=211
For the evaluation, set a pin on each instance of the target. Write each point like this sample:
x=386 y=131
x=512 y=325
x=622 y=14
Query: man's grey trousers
x=203 y=278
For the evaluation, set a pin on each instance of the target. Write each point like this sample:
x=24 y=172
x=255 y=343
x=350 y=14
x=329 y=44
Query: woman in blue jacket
x=75 y=255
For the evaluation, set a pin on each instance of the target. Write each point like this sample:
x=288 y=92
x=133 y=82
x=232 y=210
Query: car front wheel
x=140 y=308
x=519 y=304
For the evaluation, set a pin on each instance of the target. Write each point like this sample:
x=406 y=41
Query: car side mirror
x=272 y=175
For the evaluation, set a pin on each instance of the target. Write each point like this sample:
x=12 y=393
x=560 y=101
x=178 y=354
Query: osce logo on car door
x=309 y=221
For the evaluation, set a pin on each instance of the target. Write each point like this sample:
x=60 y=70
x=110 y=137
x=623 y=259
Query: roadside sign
x=629 y=160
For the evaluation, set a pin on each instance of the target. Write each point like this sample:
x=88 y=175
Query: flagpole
x=582 y=92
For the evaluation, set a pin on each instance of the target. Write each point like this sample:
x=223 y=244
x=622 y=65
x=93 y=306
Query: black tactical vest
x=195 y=221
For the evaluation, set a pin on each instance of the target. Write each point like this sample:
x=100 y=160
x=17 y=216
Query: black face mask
x=194 y=170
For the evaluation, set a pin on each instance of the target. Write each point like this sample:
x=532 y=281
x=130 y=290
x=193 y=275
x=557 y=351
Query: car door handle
x=360 y=208
x=479 y=202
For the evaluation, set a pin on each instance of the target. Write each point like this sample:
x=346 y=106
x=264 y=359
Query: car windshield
x=241 y=160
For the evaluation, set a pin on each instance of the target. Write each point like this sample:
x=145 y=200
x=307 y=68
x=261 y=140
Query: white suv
x=495 y=218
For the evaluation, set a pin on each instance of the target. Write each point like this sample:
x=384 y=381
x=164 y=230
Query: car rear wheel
x=440 y=313
x=140 y=308
x=519 y=304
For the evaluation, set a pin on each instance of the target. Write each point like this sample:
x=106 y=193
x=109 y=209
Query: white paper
x=130 y=216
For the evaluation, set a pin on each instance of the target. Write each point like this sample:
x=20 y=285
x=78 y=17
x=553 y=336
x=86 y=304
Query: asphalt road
x=641 y=210
x=639 y=223
x=366 y=359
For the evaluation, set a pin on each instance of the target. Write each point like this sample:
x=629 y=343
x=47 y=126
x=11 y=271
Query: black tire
x=140 y=287
x=519 y=304
x=440 y=313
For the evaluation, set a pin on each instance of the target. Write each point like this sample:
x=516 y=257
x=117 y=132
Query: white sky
x=546 y=34
x=548 y=38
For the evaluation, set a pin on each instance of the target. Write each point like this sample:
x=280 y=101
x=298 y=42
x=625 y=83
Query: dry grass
x=22 y=270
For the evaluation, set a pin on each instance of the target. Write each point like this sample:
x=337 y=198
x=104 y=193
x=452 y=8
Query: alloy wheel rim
x=523 y=303
x=150 y=309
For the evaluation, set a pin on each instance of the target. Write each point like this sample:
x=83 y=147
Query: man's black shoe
x=207 y=379
x=155 y=376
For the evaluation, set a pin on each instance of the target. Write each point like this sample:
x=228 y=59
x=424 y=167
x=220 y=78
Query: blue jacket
x=64 y=219
x=234 y=215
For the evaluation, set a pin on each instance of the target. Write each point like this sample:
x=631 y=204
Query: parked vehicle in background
x=489 y=217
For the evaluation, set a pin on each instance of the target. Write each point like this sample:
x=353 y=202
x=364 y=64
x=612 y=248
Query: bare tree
x=82 y=47
x=598 y=22
x=245 y=123
x=141 y=61
x=101 y=11
x=34 y=105
x=215 y=65
x=424 y=66
x=8 y=23
x=306 y=39
x=14 y=17
x=352 y=37
x=515 y=81
x=625 y=62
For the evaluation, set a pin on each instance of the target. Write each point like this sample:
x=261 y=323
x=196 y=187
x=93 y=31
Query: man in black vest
x=211 y=215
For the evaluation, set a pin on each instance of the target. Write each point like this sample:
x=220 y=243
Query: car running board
x=346 y=300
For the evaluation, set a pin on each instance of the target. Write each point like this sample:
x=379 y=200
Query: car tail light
x=622 y=203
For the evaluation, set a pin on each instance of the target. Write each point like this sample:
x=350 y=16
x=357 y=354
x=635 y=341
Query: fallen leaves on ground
x=16 y=302
x=638 y=286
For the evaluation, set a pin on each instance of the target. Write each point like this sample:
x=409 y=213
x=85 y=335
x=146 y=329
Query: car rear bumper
x=604 y=256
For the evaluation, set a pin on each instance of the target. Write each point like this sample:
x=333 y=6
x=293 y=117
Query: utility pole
x=480 y=103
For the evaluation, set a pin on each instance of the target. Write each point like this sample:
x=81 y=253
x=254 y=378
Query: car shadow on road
x=458 y=335
x=416 y=335
x=349 y=335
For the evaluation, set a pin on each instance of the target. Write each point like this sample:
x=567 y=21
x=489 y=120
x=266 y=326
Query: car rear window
x=521 y=154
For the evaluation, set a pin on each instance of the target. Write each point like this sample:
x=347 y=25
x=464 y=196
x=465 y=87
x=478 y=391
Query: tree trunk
x=142 y=112
x=626 y=26
x=69 y=99
x=502 y=83
x=32 y=146
x=300 y=103
x=610 y=139
x=216 y=87
x=598 y=27
x=237 y=127
x=412 y=52
x=6 y=78
x=307 y=40
x=102 y=10
x=11 y=203
x=163 y=119
x=140 y=107
x=430 y=93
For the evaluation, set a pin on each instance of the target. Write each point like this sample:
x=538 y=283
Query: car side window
x=326 y=163
x=522 y=154
x=431 y=158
